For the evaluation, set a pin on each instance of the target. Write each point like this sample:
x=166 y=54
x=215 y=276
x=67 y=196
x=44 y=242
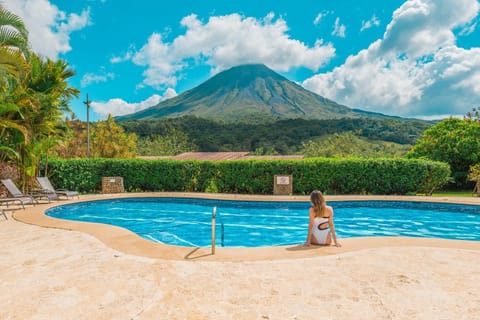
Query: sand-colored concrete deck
x=109 y=273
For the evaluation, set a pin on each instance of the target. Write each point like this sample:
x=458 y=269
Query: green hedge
x=333 y=176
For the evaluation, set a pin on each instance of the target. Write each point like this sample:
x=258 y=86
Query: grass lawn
x=463 y=193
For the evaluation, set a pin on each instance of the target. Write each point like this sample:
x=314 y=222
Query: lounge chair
x=29 y=198
x=47 y=186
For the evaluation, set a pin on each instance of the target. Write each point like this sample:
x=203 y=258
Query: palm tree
x=44 y=100
x=13 y=50
x=13 y=43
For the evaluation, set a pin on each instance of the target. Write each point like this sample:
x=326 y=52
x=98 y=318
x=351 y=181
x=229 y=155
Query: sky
x=413 y=58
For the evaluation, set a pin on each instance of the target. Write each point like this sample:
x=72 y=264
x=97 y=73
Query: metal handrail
x=214 y=219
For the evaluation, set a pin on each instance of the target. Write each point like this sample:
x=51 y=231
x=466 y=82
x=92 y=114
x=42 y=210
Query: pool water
x=187 y=222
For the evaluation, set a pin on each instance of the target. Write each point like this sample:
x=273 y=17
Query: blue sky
x=414 y=58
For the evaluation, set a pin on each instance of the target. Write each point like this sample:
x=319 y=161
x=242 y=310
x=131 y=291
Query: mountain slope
x=246 y=93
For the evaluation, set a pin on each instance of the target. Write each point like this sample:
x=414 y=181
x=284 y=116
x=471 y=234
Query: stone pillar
x=112 y=185
x=283 y=185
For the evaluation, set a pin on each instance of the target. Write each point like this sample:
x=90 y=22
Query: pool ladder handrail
x=214 y=219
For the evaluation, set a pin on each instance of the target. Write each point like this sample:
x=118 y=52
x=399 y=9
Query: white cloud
x=226 y=41
x=162 y=66
x=118 y=107
x=118 y=59
x=127 y=56
x=49 y=27
x=370 y=23
x=319 y=18
x=419 y=27
x=339 y=29
x=416 y=69
x=89 y=78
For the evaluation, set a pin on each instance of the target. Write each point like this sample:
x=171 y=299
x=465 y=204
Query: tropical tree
x=109 y=140
x=74 y=144
x=173 y=142
x=13 y=48
x=42 y=96
x=455 y=141
x=351 y=144
x=48 y=86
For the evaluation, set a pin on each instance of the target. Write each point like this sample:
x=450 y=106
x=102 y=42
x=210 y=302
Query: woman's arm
x=310 y=225
x=332 y=229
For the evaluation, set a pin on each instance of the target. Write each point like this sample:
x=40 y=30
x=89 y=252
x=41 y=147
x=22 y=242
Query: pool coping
x=128 y=242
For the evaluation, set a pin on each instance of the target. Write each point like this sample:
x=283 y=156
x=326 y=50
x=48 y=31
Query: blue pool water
x=187 y=222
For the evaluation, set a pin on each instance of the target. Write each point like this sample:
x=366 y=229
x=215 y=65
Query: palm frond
x=8 y=18
x=11 y=62
x=8 y=153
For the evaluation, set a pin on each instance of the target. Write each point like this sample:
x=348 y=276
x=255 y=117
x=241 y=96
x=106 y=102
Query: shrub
x=333 y=176
x=454 y=141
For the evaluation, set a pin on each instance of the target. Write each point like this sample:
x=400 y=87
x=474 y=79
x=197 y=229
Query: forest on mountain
x=291 y=136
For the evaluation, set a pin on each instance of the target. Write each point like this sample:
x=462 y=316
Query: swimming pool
x=187 y=221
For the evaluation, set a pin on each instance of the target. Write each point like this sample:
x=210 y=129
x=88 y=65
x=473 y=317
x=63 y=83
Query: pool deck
x=49 y=270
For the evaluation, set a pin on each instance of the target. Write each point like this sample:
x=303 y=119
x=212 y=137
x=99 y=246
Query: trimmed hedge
x=332 y=176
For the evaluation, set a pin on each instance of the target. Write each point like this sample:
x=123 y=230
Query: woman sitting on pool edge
x=321 y=229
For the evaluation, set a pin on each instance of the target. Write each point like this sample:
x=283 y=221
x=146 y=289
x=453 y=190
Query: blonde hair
x=318 y=202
